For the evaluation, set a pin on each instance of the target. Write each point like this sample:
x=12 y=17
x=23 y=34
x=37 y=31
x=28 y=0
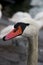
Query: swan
x=0 y=11
x=25 y=27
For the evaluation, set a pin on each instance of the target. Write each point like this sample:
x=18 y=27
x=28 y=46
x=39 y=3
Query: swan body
x=32 y=26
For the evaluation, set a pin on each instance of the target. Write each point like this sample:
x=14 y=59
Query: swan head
x=17 y=31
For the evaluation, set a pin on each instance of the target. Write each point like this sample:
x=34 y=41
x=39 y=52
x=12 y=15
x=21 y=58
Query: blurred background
x=14 y=52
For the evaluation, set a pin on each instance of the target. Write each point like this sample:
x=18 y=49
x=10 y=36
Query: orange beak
x=14 y=33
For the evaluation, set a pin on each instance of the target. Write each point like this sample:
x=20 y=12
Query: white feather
x=19 y=16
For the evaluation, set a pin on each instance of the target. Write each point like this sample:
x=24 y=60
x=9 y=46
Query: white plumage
x=19 y=16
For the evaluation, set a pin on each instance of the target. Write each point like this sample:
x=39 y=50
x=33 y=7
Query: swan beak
x=14 y=33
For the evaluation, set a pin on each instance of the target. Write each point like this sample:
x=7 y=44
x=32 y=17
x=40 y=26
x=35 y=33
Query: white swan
x=26 y=26
x=0 y=11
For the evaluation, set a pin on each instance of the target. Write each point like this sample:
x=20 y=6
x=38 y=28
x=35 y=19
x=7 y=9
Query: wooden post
x=33 y=50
